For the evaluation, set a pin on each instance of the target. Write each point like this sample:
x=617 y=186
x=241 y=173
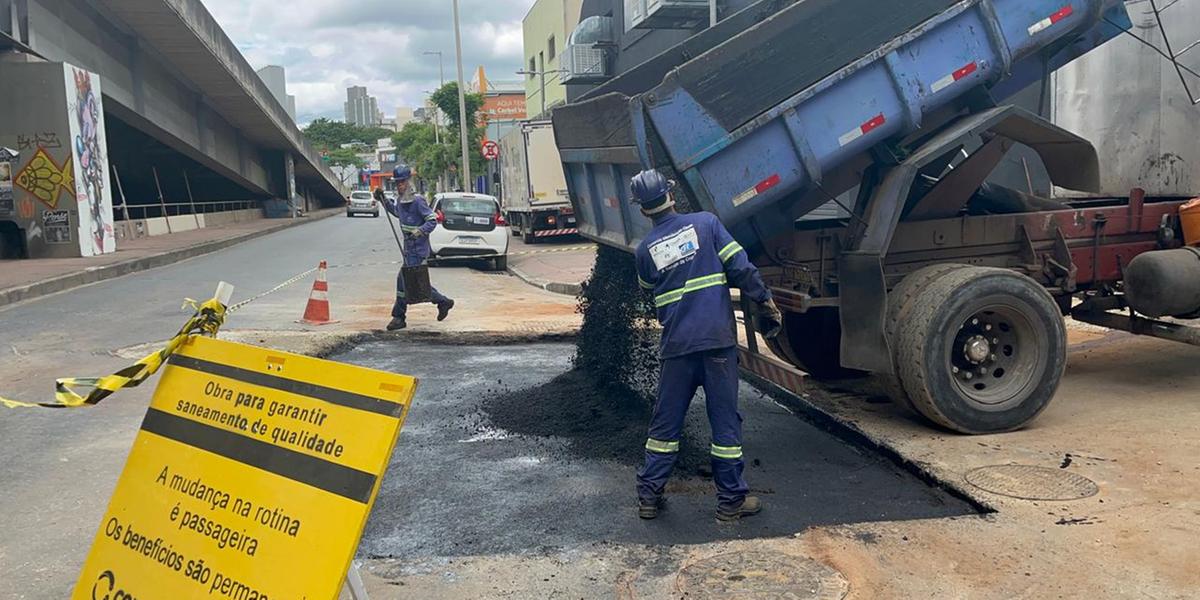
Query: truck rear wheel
x=900 y=303
x=812 y=341
x=982 y=350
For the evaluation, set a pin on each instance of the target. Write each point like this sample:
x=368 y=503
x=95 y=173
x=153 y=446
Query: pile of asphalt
x=618 y=340
x=602 y=407
x=597 y=419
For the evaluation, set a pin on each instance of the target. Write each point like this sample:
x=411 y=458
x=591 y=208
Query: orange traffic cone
x=317 y=311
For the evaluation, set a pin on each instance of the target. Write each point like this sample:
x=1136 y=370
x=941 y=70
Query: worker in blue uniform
x=688 y=261
x=417 y=221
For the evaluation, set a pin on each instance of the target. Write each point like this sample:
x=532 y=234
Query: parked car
x=361 y=203
x=470 y=225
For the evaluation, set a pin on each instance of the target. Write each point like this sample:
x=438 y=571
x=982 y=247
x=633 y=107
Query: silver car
x=361 y=203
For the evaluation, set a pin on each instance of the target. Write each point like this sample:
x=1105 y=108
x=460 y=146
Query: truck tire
x=812 y=341
x=900 y=303
x=982 y=350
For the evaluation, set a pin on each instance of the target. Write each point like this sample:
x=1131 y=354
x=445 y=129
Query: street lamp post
x=542 y=74
x=462 y=103
x=437 y=113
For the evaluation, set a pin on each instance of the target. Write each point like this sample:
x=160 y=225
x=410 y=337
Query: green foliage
x=446 y=99
x=343 y=157
x=417 y=143
x=329 y=135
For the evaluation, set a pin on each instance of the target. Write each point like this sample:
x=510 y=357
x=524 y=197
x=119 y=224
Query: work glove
x=418 y=234
x=768 y=320
x=379 y=195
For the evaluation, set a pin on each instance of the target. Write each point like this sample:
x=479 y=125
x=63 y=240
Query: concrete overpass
x=176 y=91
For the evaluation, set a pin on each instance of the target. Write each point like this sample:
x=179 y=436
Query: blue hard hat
x=402 y=172
x=650 y=189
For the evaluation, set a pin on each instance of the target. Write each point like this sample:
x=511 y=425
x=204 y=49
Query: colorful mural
x=43 y=178
x=92 y=193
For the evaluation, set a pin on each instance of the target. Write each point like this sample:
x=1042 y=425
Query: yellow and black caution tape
x=208 y=318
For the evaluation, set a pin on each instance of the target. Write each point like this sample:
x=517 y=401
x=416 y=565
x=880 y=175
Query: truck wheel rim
x=996 y=356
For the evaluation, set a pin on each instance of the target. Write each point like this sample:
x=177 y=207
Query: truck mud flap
x=863 y=307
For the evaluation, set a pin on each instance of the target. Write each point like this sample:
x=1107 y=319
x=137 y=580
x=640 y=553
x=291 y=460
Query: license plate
x=570 y=220
x=481 y=220
x=471 y=240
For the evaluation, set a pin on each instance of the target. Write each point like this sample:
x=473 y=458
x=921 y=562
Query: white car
x=470 y=225
x=361 y=203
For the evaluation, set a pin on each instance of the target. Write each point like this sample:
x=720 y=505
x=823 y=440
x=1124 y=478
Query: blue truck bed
x=769 y=124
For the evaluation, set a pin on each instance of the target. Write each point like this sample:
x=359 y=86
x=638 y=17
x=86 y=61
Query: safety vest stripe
x=726 y=451
x=645 y=286
x=410 y=228
x=661 y=446
x=430 y=217
x=692 y=285
x=728 y=252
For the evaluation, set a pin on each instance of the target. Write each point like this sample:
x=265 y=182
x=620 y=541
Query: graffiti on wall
x=45 y=179
x=45 y=139
x=91 y=157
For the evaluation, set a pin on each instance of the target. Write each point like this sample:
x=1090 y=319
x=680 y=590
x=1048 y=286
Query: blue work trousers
x=400 y=308
x=717 y=372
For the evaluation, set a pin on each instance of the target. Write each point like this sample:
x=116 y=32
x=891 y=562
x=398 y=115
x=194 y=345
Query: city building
x=276 y=79
x=503 y=104
x=546 y=27
x=362 y=109
x=405 y=115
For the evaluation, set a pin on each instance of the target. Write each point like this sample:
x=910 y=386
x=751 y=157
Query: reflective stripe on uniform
x=409 y=228
x=430 y=217
x=692 y=285
x=662 y=447
x=645 y=286
x=726 y=451
x=729 y=251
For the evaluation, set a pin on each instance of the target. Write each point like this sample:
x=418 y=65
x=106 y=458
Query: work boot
x=396 y=323
x=649 y=509
x=444 y=309
x=750 y=505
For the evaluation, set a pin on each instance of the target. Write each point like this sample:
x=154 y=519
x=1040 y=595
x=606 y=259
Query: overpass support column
x=55 y=193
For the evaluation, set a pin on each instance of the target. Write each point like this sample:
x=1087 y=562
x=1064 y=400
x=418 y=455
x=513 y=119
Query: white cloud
x=329 y=45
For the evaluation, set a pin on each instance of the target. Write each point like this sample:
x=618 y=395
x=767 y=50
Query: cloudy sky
x=329 y=45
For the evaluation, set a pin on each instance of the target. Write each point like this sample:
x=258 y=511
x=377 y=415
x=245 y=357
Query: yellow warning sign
x=251 y=478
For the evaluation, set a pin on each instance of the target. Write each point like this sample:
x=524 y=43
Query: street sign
x=251 y=477
x=491 y=150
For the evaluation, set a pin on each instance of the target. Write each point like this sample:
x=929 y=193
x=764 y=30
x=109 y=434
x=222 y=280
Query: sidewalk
x=31 y=278
x=559 y=266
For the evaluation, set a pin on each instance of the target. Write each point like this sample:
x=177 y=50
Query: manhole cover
x=1032 y=483
x=751 y=575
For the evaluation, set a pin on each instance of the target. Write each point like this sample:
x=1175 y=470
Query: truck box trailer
x=949 y=287
x=534 y=191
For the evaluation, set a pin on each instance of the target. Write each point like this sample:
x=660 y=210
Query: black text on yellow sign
x=251 y=478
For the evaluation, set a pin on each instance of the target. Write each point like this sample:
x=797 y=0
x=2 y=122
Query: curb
x=69 y=281
x=567 y=289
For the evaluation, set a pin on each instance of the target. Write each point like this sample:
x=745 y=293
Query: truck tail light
x=441 y=217
x=550 y=220
x=500 y=222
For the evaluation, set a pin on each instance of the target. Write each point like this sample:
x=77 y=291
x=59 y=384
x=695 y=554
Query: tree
x=345 y=157
x=446 y=99
x=329 y=135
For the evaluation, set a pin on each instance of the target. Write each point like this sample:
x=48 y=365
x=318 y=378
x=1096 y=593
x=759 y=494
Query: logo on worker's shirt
x=672 y=250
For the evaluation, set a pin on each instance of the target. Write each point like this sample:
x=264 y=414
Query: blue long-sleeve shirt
x=415 y=216
x=689 y=260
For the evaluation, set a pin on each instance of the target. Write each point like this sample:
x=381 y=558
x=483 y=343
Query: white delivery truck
x=533 y=189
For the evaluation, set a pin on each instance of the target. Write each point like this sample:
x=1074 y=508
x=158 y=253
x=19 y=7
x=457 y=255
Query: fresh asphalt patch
x=503 y=453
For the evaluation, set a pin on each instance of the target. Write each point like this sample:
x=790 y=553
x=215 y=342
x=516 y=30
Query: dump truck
x=533 y=192
x=948 y=285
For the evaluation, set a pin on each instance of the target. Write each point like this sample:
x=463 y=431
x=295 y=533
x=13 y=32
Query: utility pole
x=462 y=104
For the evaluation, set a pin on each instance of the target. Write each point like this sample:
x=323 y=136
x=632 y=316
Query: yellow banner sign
x=251 y=478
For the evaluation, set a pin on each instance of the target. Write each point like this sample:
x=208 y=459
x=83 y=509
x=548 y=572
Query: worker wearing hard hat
x=688 y=260
x=417 y=221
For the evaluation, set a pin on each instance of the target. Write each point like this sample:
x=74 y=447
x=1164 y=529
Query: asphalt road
x=457 y=487
x=58 y=468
